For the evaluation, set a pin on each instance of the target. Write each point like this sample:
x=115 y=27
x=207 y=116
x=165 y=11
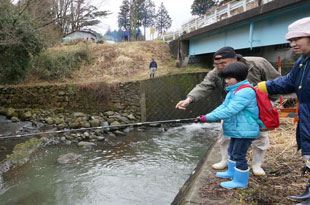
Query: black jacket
x=153 y=64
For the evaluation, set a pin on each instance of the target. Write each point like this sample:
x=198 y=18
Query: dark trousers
x=238 y=147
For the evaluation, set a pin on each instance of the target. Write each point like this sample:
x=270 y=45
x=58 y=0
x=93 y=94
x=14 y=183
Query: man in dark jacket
x=298 y=81
x=259 y=68
x=153 y=68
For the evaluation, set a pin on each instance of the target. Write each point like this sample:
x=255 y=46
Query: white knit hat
x=299 y=28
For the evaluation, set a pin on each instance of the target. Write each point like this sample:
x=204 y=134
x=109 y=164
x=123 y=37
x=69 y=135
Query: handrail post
x=244 y=5
x=204 y=19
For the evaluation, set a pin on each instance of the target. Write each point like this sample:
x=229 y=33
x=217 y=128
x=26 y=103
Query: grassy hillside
x=125 y=61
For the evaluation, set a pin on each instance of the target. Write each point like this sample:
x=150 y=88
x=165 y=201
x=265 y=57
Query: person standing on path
x=153 y=68
x=297 y=81
x=258 y=69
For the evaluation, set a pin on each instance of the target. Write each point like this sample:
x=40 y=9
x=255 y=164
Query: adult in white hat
x=298 y=81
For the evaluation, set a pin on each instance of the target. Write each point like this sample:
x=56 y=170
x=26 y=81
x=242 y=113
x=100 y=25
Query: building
x=84 y=34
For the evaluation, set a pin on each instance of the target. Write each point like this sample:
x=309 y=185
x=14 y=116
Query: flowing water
x=145 y=167
x=9 y=128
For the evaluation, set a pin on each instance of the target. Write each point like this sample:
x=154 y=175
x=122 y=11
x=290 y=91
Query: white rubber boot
x=220 y=165
x=223 y=163
x=258 y=158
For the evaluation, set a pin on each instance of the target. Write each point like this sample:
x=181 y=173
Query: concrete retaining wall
x=162 y=94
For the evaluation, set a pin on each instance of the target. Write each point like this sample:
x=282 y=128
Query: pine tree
x=135 y=14
x=200 y=7
x=134 y=17
x=147 y=14
x=124 y=15
x=163 y=20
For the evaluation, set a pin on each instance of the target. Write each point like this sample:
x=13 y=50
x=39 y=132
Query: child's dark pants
x=237 y=150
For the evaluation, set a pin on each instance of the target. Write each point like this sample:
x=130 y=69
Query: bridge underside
x=264 y=30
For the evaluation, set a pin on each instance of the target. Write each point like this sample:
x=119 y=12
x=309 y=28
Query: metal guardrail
x=215 y=15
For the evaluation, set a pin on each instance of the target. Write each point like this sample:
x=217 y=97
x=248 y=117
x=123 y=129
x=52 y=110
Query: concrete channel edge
x=189 y=192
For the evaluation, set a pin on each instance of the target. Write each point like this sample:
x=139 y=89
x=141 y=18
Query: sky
x=178 y=10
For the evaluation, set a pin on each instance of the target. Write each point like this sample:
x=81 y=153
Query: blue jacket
x=297 y=81
x=237 y=124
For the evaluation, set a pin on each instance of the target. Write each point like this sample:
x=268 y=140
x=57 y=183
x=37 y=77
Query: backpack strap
x=248 y=114
x=244 y=86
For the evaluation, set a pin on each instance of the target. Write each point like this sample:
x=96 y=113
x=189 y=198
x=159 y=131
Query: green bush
x=19 y=41
x=61 y=64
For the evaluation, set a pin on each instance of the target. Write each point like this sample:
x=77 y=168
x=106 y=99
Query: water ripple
x=142 y=168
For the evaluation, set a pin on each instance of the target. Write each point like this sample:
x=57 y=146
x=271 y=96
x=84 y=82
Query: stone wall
x=148 y=100
x=88 y=98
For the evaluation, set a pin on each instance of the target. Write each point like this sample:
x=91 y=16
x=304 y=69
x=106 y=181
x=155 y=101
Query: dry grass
x=125 y=61
x=113 y=63
x=283 y=168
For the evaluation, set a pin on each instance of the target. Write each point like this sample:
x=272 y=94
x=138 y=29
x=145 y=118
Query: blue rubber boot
x=229 y=173
x=240 y=179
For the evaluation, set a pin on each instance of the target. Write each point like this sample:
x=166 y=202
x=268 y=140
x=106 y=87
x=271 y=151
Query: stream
x=147 y=166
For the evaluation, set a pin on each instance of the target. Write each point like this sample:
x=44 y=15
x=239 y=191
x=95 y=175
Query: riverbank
x=283 y=175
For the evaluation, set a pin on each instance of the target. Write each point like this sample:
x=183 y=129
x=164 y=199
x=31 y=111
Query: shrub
x=19 y=41
x=57 y=64
x=99 y=92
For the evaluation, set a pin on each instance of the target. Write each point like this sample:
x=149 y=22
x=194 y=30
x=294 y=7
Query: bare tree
x=68 y=15
x=61 y=11
x=147 y=14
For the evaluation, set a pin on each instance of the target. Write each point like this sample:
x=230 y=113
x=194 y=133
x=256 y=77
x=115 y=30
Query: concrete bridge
x=256 y=32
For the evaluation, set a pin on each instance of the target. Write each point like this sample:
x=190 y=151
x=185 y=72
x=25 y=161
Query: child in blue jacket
x=241 y=127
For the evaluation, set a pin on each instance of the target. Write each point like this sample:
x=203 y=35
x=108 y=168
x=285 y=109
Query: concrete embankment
x=189 y=192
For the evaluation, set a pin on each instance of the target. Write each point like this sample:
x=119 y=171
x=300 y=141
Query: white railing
x=217 y=14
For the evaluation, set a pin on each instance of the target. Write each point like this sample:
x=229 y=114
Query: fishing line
x=101 y=127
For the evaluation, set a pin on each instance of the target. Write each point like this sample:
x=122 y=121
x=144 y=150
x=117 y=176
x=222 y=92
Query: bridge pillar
x=183 y=52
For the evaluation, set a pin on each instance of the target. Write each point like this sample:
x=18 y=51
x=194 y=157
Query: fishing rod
x=101 y=127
